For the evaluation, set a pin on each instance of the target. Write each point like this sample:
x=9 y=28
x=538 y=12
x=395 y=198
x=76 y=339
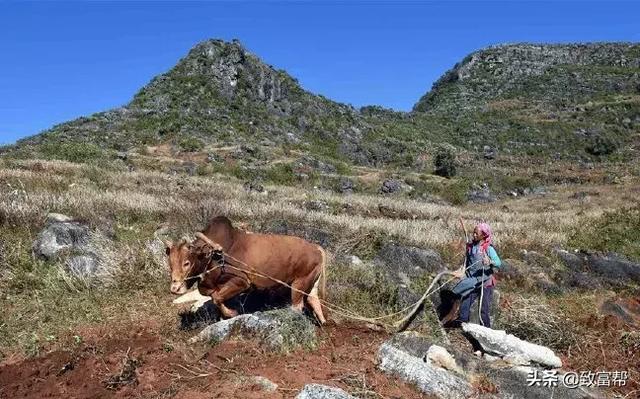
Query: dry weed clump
x=533 y=319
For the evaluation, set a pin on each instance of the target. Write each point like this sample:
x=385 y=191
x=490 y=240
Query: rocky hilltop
x=574 y=101
x=219 y=92
x=555 y=75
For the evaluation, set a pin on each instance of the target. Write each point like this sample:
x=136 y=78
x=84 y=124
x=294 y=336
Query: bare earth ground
x=42 y=309
x=345 y=358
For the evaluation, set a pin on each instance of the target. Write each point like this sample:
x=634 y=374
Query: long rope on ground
x=400 y=325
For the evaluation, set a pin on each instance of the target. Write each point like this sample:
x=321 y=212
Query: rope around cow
x=400 y=325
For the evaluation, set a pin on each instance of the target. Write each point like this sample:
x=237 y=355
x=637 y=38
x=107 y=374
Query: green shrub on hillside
x=444 y=161
x=601 y=146
x=191 y=144
x=613 y=231
x=281 y=173
x=72 y=152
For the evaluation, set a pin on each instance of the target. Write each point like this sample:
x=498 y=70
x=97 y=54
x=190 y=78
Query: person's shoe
x=453 y=324
x=453 y=313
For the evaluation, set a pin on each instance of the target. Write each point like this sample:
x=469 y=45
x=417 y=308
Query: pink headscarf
x=488 y=235
x=488 y=238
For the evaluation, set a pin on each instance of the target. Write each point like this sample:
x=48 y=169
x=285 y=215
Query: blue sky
x=61 y=60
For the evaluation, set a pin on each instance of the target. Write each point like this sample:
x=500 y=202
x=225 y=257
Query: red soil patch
x=141 y=363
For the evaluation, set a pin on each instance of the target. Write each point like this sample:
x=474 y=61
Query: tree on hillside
x=444 y=161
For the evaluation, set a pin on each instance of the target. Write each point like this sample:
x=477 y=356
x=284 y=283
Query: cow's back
x=283 y=257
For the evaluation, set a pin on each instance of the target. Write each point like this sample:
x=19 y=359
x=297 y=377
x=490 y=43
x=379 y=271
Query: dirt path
x=141 y=363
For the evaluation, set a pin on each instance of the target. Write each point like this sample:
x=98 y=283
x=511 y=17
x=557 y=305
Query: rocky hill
x=567 y=100
x=219 y=92
x=556 y=76
x=574 y=101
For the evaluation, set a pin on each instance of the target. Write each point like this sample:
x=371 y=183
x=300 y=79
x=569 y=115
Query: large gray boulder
x=279 y=330
x=511 y=348
x=60 y=233
x=404 y=263
x=590 y=269
x=317 y=391
x=407 y=356
x=84 y=254
x=447 y=372
x=313 y=234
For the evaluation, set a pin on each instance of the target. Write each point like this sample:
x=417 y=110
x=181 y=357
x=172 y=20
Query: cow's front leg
x=228 y=290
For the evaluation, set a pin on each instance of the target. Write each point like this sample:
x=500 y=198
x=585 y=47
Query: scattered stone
x=627 y=310
x=355 y=261
x=498 y=342
x=317 y=391
x=391 y=186
x=489 y=152
x=439 y=357
x=279 y=330
x=512 y=383
x=309 y=233
x=404 y=356
x=253 y=186
x=480 y=194
x=317 y=205
x=86 y=255
x=346 y=186
x=262 y=383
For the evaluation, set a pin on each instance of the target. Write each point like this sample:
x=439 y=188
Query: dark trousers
x=465 y=306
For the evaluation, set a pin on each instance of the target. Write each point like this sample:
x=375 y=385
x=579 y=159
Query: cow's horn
x=208 y=241
x=168 y=244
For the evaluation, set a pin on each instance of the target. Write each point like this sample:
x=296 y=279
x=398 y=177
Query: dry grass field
x=45 y=309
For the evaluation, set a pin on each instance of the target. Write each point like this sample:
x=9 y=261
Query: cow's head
x=188 y=259
x=182 y=257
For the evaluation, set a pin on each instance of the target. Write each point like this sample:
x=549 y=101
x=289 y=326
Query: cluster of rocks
x=481 y=193
x=437 y=369
x=278 y=330
x=568 y=270
x=590 y=270
x=85 y=254
x=391 y=186
x=449 y=372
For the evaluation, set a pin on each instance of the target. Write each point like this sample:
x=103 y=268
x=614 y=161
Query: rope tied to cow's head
x=217 y=254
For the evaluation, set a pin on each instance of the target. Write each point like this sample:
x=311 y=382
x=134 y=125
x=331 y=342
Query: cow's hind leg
x=314 y=302
x=307 y=287
x=228 y=290
x=297 y=296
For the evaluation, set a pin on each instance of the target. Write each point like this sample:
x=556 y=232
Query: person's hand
x=486 y=261
x=458 y=273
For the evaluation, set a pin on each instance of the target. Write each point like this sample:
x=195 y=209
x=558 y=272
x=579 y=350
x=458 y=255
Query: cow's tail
x=320 y=286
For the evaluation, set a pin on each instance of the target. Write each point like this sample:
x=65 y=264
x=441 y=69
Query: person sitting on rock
x=477 y=277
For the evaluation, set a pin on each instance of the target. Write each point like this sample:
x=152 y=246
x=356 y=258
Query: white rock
x=428 y=378
x=439 y=357
x=500 y=343
x=317 y=391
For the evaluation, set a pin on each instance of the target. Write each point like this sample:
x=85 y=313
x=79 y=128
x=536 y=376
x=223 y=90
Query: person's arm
x=495 y=259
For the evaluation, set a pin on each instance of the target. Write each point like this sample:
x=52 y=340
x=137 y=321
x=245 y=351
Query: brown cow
x=291 y=259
